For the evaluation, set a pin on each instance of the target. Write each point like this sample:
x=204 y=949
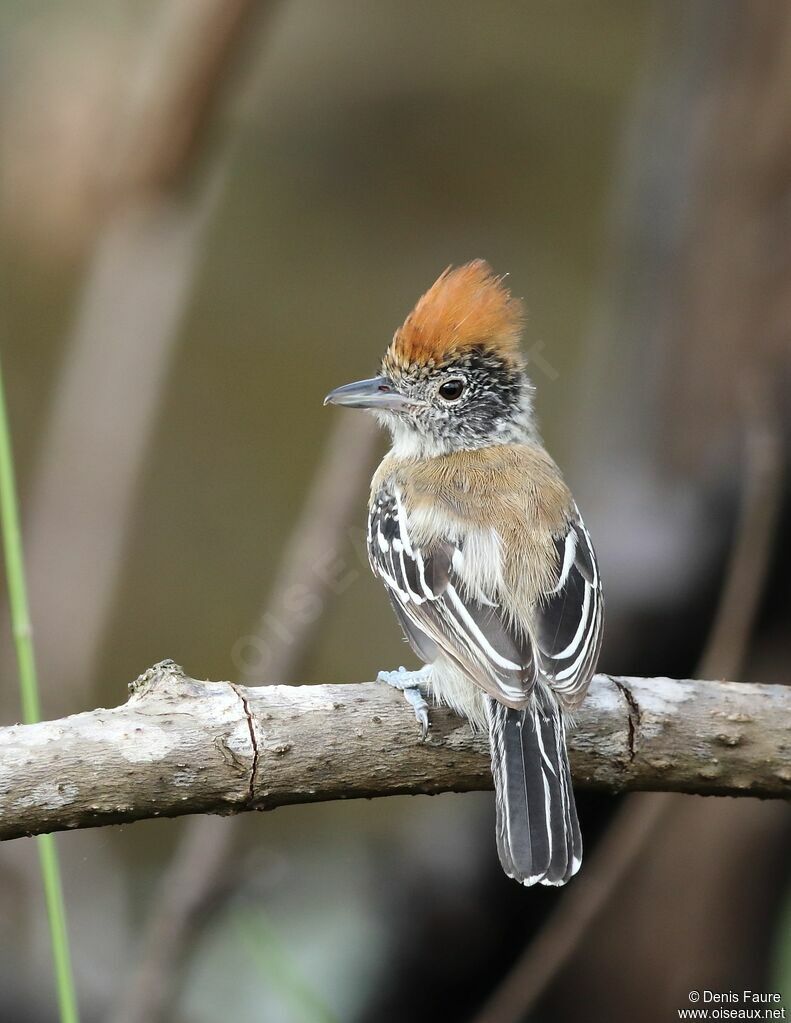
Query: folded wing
x=440 y=613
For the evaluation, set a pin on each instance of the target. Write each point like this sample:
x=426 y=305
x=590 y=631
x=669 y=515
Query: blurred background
x=214 y=211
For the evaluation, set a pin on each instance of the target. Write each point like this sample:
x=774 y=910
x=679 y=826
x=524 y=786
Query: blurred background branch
x=195 y=48
x=158 y=200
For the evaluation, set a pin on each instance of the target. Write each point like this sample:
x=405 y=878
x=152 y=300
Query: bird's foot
x=410 y=683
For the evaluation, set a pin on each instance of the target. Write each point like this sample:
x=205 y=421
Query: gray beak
x=376 y=393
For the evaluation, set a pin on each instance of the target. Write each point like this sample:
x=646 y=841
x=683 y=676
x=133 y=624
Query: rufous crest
x=466 y=307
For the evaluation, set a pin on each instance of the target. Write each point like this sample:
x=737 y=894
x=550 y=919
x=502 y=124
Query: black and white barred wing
x=568 y=621
x=439 y=614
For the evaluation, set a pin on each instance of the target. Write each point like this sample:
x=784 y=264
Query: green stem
x=31 y=711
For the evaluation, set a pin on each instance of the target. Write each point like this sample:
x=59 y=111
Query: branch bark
x=181 y=746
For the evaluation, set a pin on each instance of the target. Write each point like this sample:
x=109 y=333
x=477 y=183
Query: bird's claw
x=409 y=683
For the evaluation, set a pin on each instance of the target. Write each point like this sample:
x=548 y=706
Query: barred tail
x=538 y=834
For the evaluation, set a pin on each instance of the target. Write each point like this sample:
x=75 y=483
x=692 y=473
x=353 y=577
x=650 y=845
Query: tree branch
x=181 y=746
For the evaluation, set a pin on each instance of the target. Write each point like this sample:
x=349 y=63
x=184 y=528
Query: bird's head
x=453 y=377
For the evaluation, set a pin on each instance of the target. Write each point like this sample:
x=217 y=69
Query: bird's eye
x=451 y=390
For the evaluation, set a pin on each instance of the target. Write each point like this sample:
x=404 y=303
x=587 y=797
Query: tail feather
x=538 y=834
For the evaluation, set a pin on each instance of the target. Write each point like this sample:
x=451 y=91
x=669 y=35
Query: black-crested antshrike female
x=484 y=555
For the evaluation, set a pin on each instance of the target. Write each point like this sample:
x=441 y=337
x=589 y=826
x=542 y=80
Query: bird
x=484 y=555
